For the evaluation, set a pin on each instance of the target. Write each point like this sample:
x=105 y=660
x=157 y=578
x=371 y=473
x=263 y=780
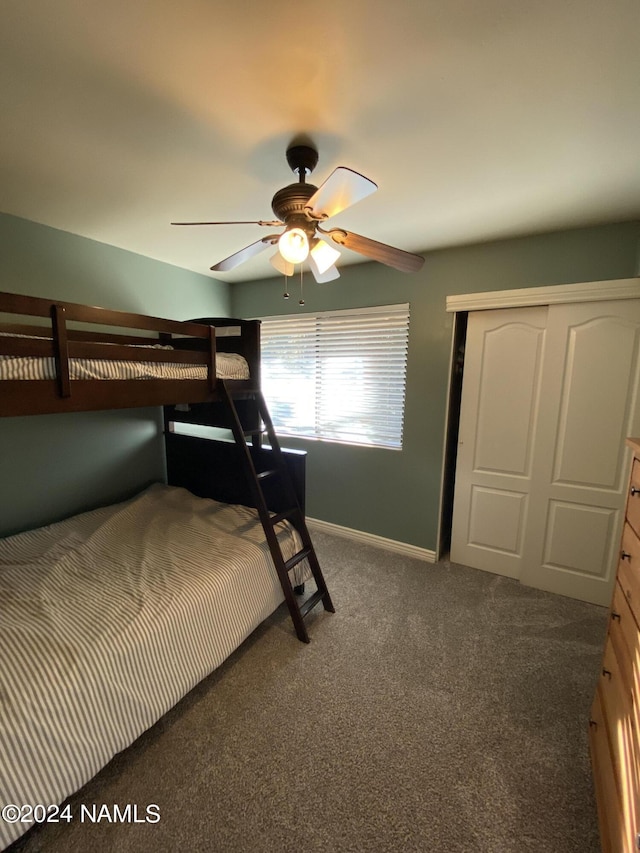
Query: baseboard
x=372 y=539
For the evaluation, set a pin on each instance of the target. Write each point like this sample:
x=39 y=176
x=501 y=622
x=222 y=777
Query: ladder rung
x=236 y=393
x=286 y=513
x=311 y=602
x=263 y=475
x=297 y=558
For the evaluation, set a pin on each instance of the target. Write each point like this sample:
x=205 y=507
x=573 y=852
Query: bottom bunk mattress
x=109 y=618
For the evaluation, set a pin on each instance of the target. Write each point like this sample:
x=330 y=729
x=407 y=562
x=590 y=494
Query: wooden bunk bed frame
x=193 y=343
x=273 y=479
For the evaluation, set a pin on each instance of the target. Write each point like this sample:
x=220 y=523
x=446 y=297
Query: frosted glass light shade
x=322 y=278
x=279 y=263
x=324 y=256
x=294 y=246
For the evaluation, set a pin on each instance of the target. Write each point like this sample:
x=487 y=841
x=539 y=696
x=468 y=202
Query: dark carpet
x=439 y=709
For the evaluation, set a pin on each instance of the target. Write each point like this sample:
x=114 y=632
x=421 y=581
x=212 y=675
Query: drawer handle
x=625 y=556
x=606 y=672
x=615 y=615
x=633 y=491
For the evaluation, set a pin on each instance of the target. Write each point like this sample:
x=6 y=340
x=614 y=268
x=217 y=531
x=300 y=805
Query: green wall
x=54 y=465
x=396 y=494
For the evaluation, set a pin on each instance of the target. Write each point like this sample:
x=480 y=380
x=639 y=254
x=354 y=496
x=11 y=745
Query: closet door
x=589 y=405
x=498 y=417
x=549 y=396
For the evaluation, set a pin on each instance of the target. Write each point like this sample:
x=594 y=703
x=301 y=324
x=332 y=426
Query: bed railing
x=69 y=331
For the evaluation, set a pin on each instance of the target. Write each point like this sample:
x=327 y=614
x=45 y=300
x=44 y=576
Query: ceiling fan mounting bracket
x=302 y=159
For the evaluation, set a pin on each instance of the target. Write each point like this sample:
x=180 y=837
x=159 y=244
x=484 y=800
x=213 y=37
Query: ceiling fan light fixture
x=323 y=256
x=330 y=274
x=279 y=263
x=294 y=246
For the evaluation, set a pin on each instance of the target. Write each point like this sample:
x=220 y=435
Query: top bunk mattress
x=228 y=366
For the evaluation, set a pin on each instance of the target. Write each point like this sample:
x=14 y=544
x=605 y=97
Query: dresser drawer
x=621 y=728
x=612 y=836
x=614 y=688
x=629 y=569
x=633 y=498
x=623 y=631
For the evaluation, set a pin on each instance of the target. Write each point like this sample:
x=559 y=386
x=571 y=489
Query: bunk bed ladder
x=292 y=513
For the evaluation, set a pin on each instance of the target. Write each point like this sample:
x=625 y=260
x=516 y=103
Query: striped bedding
x=228 y=366
x=107 y=619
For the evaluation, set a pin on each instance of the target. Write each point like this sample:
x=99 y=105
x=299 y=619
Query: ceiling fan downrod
x=289 y=203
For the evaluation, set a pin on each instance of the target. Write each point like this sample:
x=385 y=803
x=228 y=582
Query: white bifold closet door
x=549 y=395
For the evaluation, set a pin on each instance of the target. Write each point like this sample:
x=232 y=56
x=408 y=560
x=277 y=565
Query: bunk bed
x=73 y=358
x=108 y=618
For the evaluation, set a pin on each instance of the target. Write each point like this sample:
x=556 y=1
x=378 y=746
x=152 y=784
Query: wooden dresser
x=614 y=726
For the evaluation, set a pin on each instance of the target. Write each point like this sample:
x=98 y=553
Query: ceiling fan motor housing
x=288 y=205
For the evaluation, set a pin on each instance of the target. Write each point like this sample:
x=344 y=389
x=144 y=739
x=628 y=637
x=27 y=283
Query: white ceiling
x=478 y=119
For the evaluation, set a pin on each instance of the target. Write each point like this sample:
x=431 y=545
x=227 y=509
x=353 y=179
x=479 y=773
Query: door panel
x=503 y=362
x=576 y=537
x=496 y=519
x=588 y=407
x=510 y=369
x=602 y=355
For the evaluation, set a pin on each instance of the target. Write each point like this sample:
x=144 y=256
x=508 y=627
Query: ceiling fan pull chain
x=301 y=302
x=285 y=295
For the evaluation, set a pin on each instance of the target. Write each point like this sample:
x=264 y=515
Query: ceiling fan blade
x=244 y=254
x=271 y=224
x=389 y=255
x=342 y=188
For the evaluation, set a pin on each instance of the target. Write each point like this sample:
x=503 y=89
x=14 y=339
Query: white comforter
x=107 y=619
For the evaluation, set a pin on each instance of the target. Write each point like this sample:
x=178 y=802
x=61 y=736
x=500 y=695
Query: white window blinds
x=338 y=375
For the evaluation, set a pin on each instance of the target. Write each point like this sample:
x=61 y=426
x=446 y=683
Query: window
x=338 y=375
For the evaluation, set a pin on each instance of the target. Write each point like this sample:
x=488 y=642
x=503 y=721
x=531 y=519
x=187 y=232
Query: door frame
x=459 y=305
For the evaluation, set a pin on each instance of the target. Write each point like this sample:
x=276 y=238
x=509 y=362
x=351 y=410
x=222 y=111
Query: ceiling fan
x=300 y=208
